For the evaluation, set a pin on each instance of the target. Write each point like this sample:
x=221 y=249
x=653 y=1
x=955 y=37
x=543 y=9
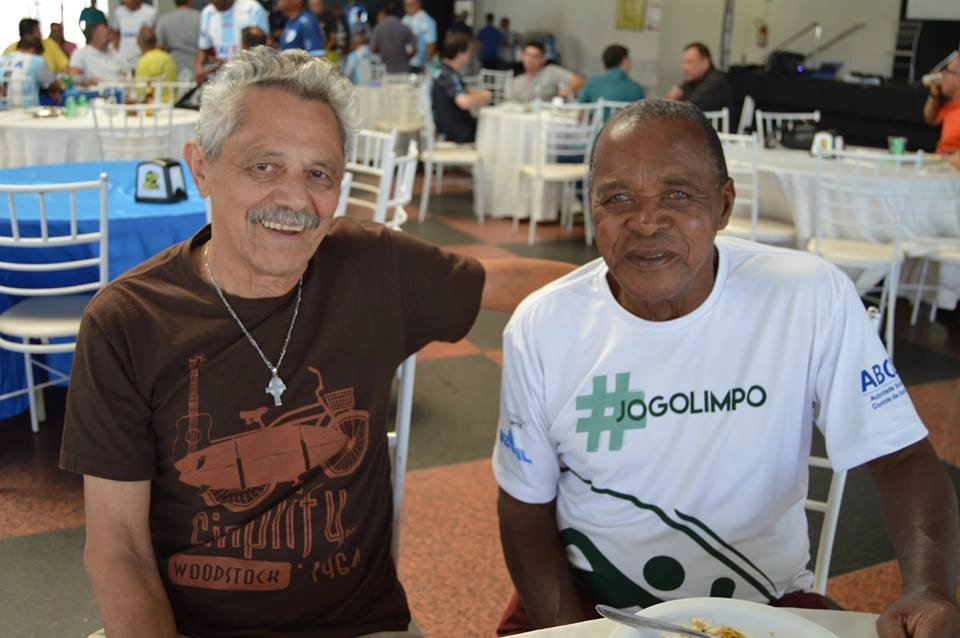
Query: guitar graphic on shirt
x=189 y=434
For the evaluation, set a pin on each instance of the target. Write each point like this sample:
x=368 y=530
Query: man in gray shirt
x=542 y=81
x=393 y=41
x=177 y=32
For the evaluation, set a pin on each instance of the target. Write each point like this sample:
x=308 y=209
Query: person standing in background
x=425 y=29
x=91 y=15
x=177 y=32
x=302 y=29
x=491 y=39
x=393 y=41
x=942 y=108
x=127 y=20
x=221 y=24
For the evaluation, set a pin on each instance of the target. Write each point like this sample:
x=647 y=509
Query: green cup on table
x=896 y=144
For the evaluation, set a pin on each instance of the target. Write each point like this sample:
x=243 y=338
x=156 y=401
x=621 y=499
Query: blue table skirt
x=137 y=232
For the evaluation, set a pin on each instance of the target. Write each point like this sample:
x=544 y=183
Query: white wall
x=869 y=50
x=584 y=28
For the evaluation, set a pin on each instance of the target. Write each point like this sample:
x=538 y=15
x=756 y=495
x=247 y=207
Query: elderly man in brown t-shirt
x=220 y=482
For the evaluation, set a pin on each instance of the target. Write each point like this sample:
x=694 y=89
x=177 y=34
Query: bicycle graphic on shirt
x=241 y=470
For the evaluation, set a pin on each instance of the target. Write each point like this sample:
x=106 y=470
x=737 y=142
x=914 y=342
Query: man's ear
x=198 y=166
x=728 y=194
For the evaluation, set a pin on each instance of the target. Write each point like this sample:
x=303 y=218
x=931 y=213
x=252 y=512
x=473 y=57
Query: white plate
x=752 y=619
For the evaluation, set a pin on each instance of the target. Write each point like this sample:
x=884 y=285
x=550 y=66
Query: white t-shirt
x=23 y=75
x=95 y=64
x=220 y=30
x=677 y=450
x=128 y=23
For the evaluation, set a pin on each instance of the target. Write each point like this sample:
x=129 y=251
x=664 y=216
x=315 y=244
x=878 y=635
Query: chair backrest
x=746 y=115
x=609 y=107
x=719 y=119
x=741 y=153
x=132 y=131
x=829 y=507
x=864 y=195
x=398 y=441
x=497 y=82
x=343 y=200
x=39 y=217
x=565 y=131
x=404 y=103
x=768 y=123
x=152 y=90
x=402 y=195
x=18 y=93
x=371 y=158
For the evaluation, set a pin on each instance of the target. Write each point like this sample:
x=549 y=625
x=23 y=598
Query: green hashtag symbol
x=609 y=412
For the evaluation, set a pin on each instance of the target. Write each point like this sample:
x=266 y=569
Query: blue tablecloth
x=137 y=231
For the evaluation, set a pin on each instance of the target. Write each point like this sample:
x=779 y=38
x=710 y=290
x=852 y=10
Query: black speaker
x=785 y=63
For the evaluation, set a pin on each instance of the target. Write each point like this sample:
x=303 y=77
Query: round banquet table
x=787 y=181
x=26 y=140
x=137 y=231
x=505 y=140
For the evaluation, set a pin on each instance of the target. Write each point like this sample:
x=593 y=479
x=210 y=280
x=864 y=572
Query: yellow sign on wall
x=630 y=13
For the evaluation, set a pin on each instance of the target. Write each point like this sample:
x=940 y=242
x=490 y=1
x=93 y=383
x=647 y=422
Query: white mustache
x=284 y=216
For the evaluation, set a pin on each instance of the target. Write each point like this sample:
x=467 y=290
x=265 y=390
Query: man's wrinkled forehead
x=634 y=135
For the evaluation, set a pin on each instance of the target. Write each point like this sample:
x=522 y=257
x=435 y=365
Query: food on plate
x=723 y=631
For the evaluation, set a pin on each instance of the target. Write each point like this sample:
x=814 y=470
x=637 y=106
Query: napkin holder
x=822 y=143
x=160 y=180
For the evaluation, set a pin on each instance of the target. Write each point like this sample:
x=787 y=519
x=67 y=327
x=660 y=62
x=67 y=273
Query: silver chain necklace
x=276 y=386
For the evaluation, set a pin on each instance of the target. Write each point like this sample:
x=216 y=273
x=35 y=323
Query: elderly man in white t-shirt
x=221 y=26
x=126 y=20
x=658 y=405
x=98 y=61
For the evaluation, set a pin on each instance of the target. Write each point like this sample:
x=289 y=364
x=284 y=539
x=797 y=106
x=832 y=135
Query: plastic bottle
x=82 y=106
x=71 y=106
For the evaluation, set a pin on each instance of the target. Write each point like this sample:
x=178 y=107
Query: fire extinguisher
x=762 y=30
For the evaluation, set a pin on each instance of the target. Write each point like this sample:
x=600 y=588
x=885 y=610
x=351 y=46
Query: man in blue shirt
x=302 y=30
x=615 y=84
x=425 y=29
x=491 y=38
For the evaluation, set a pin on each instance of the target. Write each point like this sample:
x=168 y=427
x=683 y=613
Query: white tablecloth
x=397 y=106
x=505 y=138
x=846 y=624
x=788 y=191
x=26 y=140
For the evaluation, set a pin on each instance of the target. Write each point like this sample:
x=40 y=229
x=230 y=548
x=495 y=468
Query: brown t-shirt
x=266 y=521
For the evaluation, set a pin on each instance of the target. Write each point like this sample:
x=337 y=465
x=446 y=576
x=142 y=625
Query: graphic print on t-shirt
x=238 y=472
x=665 y=573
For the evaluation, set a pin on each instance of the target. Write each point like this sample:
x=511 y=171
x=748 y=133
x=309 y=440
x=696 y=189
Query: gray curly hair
x=294 y=70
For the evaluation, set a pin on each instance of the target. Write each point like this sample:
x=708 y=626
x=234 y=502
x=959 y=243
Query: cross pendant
x=275 y=388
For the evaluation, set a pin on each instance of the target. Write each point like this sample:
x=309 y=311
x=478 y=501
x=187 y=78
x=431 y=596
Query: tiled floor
x=451 y=562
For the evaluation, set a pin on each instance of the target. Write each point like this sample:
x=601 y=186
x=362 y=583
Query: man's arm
x=508 y=281
x=472 y=98
x=920 y=511
x=574 y=84
x=198 y=61
x=539 y=569
x=931 y=106
x=119 y=560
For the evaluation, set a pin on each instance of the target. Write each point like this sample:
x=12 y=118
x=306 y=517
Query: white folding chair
x=497 y=82
x=375 y=167
x=344 y=200
x=609 y=107
x=43 y=239
x=132 y=131
x=741 y=153
x=562 y=130
x=398 y=441
x=746 y=115
x=18 y=93
x=434 y=160
x=863 y=202
x=769 y=124
x=719 y=119
x=405 y=168
x=942 y=252
x=829 y=508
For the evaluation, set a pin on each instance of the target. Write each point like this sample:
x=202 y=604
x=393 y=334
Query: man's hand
x=675 y=93
x=936 y=90
x=920 y=615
